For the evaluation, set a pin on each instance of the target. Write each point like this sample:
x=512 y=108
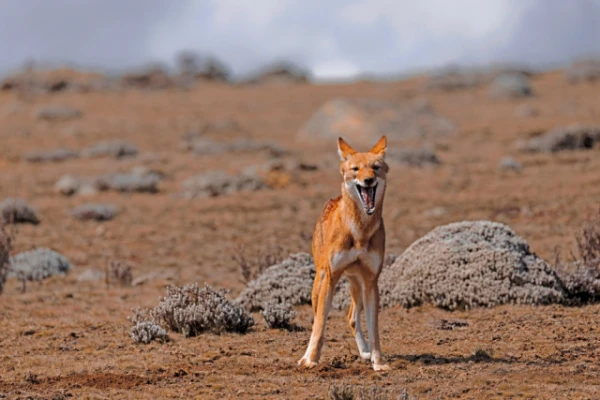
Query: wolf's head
x=364 y=174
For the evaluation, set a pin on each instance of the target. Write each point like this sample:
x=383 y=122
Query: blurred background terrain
x=156 y=143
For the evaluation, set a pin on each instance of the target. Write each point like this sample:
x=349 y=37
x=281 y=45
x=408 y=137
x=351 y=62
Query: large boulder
x=363 y=121
x=470 y=264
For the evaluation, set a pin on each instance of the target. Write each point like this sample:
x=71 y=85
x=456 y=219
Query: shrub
x=251 y=267
x=6 y=241
x=120 y=273
x=346 y=391
x=145 y=329
x=192 y=310
x=581 y=278
x=145 y=332
x=278 y=315
x=16 y=211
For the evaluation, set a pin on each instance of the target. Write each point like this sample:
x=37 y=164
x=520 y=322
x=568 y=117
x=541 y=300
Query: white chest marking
x=343 y=259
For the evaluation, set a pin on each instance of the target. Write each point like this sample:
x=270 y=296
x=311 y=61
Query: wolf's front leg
x=325 y=297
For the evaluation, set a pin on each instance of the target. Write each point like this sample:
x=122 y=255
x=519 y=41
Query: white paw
x=381 y=367
x=365 y=355
x=306 y=363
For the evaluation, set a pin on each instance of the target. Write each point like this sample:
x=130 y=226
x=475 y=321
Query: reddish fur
x=345 y=229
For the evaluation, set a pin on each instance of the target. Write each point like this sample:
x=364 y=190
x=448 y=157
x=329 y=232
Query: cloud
x=334 y=38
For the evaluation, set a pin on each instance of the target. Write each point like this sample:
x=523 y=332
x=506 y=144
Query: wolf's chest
x=342 y=259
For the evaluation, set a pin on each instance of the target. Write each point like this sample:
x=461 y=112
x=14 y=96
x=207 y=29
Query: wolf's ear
x=344 y=149
x=380 y=147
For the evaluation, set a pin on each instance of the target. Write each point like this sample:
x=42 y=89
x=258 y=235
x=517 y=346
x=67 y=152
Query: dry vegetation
x=196 y=165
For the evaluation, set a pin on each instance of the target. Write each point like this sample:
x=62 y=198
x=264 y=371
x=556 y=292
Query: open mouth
x=367 y=196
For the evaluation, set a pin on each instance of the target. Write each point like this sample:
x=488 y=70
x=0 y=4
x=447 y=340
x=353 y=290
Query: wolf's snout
x=369 y=181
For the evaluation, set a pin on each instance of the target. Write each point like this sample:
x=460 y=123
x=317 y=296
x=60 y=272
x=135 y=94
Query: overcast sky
x=333 y=38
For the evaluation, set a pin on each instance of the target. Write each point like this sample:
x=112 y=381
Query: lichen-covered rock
x=510 y=164
x=571 y=137
x=56 y=155
x=282 y=73
x=362 y=121
x=507 y=86
x=132 y=183
x=192 y=310
x=217 y=183
x=420 y=157
x=469 y=264
x=56 y=113
x=114 y=148
x=287 y=282
x=18 y=211
x=38 y=264
x=583 y=71
x=96 y=212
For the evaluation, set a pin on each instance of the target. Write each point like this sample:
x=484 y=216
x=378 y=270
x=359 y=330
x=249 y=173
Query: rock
x=56 y=155
x=510 y=164
x=67 y=185
x=526 y=111
x=363 y=121
x=114 y=148
x=56 y=113
x=571 y=137
x=436 y=212
x=96 y=212
x=38 y=264
x=288 y=282
x=583 y=71
x=469 y=264
x=280 y=74
x=218 y=183
x=18 y=211
x=132 y=183
x=91 y=275
x=454 y=78
x=508 y=86
x=420 y=157
x=152 y=77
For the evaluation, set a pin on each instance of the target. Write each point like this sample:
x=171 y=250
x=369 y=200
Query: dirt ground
x=67 y=338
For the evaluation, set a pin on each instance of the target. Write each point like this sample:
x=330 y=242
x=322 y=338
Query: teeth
x=367 y=195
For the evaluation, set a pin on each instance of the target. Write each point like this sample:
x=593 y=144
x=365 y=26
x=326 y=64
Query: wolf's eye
x=376 y=167
x=354 y=169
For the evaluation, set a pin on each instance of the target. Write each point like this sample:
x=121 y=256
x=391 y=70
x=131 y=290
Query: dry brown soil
x=68 y=338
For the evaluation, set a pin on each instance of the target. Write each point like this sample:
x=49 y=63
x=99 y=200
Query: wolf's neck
x=360 y=225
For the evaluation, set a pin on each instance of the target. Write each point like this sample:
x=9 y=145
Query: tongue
x=367 y=196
